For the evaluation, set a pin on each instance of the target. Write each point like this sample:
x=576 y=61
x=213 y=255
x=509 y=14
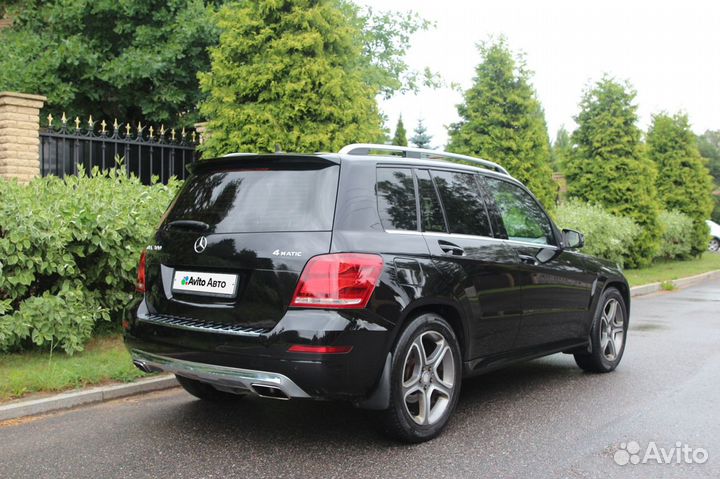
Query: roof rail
x=419 y=153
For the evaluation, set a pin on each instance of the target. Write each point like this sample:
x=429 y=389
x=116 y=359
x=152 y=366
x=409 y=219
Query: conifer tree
x=421 y=138
x=400 y=138
x=502 y=121
x=610 y=167
x=304 y=74
x=684 y=182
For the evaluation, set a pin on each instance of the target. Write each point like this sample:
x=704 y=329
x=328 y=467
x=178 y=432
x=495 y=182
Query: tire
x=205 y=391
x=608 y=335
x=714 y=245
x=426 y=358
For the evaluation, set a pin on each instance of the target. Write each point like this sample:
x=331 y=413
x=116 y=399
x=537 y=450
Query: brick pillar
x=202 y=132
x=19 y=135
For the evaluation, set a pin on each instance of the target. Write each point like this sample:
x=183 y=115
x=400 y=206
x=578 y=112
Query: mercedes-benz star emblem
x=200 y=244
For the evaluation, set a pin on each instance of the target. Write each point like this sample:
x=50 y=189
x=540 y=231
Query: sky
x=667 y=50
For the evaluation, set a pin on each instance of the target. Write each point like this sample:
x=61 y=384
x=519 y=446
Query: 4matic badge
x=277 y=252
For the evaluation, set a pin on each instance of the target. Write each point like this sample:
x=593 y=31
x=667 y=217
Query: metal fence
x=145 y=151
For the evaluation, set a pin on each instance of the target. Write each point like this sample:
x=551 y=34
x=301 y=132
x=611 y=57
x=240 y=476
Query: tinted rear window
x=396 y=199
x=431 y=211
x=464 y=207
x=260 y=200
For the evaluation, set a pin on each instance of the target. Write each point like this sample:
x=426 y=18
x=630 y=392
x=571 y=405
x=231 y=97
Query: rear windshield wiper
x=189 y=224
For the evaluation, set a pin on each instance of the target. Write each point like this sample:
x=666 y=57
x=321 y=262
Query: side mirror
x=573 y=239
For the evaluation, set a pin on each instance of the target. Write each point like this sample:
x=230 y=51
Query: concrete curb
x=678 y=283
x=106 y=393
x=84 y=396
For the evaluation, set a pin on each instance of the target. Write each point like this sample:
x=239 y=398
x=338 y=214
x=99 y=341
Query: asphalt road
x=544 y=418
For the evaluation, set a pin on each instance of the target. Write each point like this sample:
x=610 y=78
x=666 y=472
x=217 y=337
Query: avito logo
x=210 y=283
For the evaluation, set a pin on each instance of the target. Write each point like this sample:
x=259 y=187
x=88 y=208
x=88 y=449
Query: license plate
x=207 y=284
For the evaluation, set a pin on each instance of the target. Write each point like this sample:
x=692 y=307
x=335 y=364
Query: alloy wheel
x=612 y=329
x=428 y=378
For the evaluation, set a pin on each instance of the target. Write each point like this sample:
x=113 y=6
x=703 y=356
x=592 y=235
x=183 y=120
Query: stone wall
x=19 y=135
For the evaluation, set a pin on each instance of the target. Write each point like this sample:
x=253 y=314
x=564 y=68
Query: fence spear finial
x=127 y=130
x=151 y=132
x=172 y=134
x=116 y=125
x=91 y=123
x=50 y=119
x=162 y=130
x=63 y=119
x=103 y=125
x=77 y=122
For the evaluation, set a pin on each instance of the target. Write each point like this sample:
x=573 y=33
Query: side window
x=432 y=215
x=464 y=207
x=523 y=218
x=396 y=199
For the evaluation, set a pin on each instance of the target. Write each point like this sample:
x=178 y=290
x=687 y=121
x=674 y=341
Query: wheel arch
x=624 y=291
x=449 y=312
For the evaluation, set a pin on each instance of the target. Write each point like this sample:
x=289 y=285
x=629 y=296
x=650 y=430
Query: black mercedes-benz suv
x=380 y=275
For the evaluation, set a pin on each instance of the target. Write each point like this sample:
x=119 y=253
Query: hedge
x=606 y=235
x=677 y=237
x=69 y=250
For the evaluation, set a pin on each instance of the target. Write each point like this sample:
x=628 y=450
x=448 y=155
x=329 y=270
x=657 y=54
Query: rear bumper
x=234 y=360
x=234 y=380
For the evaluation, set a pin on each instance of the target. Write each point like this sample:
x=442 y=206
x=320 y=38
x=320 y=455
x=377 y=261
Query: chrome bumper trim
x=223 y=377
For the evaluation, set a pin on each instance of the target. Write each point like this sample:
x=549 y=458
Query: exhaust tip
x=270 y=392
x=142 y=366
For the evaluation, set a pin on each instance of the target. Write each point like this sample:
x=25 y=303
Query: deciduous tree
x=132 y=60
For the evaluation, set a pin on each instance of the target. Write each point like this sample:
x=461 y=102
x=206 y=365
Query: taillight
x=338 y=281
x=140 y=285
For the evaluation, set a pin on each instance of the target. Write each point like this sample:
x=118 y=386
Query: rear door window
x=260 y=200
x=464 y=207
x=430 y=209
x=396 y=199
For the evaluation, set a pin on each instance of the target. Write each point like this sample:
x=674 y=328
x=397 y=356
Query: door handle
x=451 y=248
x=527 y=259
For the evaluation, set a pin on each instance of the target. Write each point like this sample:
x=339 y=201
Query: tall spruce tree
x=501 y=120
x=684 y=182
x=400 y=138
x=421 y=138
x=609 y=165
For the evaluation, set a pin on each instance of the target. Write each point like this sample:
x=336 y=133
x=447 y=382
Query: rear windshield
x=260 y=200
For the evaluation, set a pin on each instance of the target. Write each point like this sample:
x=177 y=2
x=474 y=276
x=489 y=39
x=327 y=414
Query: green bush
x=606 y=235
x=69 y=250
x=677 y=238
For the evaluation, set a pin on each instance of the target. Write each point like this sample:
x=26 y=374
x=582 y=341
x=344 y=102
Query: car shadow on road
x=267 y=422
